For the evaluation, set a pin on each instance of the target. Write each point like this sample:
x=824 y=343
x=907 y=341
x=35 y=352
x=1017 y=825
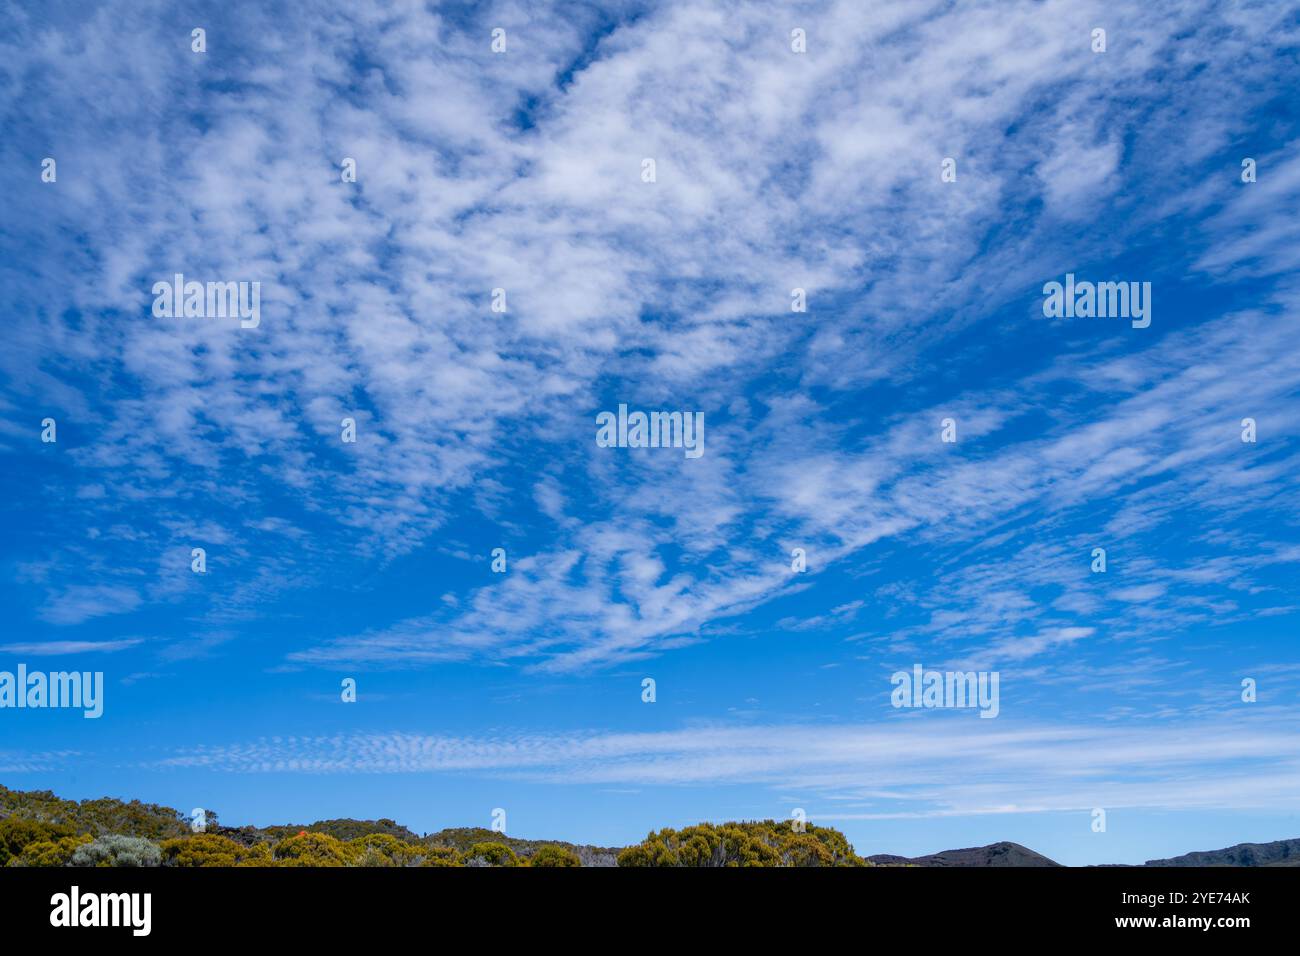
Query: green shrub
x=18 y=832
x=117 y=850
x=440 y=856
x=554 y=856
x=764 y=843
x=315 y=849
x=384 y=849
x=490 y=854
x=49 y=852
x=259 y=854
x=212 y=849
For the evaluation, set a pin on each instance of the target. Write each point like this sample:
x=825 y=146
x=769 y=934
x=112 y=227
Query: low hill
x=97 y=817
x=995 y=854
x=346 y=829
x=55 y=828
x=462 y=838
x=1277 y=853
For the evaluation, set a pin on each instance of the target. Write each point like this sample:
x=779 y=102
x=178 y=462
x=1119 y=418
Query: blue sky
x=775 y=170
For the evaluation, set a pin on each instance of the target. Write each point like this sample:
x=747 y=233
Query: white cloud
x=927 y=767
x=56 y=648
x=775 y=170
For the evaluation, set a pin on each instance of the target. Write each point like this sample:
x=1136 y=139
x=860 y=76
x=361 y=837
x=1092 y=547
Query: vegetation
x=212 y=849
x=101 y=817
x=765 y=843
x=49 y=852
x=39 y=829
x=554 y=856
x=490 y=854
x=18 y=832
x=384 y=849
x=442 y=856
x=315 y=849
x=117 y=850
x=464 y=839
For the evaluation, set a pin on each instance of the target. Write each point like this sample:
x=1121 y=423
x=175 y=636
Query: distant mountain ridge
x=995 y=854
x=1277 y=853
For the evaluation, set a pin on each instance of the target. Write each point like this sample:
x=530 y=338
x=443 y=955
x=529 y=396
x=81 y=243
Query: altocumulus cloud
x=898 y=768
x=522 y=172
